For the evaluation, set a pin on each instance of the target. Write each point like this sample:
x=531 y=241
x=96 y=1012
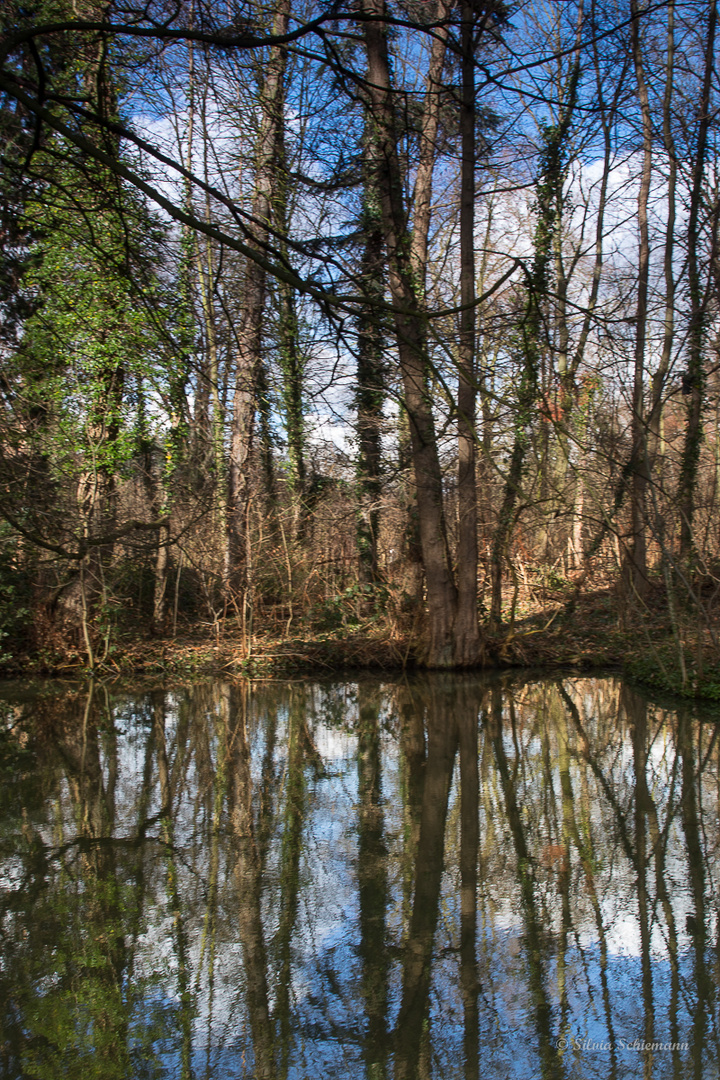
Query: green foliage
x=359 y=603
x=15 y=589
x=96 y=352
x=81 y=1015
x=661 y=669
x=93 y=390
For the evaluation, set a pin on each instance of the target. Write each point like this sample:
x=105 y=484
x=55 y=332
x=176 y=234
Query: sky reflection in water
x=439 y=877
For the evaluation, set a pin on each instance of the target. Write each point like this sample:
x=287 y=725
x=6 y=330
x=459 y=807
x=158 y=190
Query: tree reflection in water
x=440 y=877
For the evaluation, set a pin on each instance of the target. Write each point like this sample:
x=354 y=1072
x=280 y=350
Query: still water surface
x=437 y=877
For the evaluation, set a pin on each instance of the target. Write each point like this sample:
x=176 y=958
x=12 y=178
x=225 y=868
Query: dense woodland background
x=318 y=316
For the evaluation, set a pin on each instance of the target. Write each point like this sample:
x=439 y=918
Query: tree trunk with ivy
x=370 y=393
x=530 y=336
x=695 y=380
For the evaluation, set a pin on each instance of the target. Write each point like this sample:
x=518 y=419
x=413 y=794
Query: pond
x=441 y=876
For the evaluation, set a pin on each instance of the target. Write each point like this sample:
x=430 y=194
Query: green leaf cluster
x=99 y=351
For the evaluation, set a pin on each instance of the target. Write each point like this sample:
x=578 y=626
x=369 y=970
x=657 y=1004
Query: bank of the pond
x=590 y=636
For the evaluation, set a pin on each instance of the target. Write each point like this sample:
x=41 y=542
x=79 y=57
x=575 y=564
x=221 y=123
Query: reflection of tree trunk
x=93 y=980
x=442 y=744
x=607 y=788
x=551 y=1063
x=248 y=878
x=168 y=834
x=636 y=712
x=467 y=718
x=372 y=885
x=218 y=789
x=93 y=803
x=143 y=806
x=181 y=757
x=663 y=895
x=568 y=827
x=290 y=867
x=412 y=756
x=583 y=840
x=697 y=923
x=268 y=785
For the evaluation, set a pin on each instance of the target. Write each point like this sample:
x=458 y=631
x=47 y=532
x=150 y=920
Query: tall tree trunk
x=563 y=369
x=163 y=486
x=210 y=375
x=695 y=379
x=370 y=393
x=635 y=567
x=654 y=418
x=291 y=357
x=531 y=332
x=607 y=115
x=421 y=214
x=467 y=637
x=293 y=365
x=410 y=330
x=249 y=336
x=427 y=152
x=267 y=461
x=97 y=485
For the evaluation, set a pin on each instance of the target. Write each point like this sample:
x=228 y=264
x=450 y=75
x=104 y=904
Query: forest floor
x=587 y=632
x=589 y=637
